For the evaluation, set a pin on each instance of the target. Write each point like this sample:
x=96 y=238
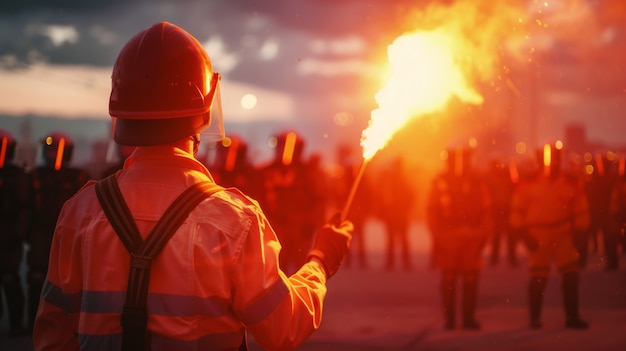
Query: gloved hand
x=332 y=243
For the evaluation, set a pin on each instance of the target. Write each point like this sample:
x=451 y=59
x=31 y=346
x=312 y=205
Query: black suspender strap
x=134 y=315
x=118 y=213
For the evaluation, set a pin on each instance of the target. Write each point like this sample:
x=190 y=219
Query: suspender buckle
x=140 y=262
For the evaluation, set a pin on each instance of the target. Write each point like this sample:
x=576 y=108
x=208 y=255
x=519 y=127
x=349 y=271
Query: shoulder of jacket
x=236 y=197
x=83 y=190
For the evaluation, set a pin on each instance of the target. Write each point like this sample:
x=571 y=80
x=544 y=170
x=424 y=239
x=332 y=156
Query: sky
x=317 y=65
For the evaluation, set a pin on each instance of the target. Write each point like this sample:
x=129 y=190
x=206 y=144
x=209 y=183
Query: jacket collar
x=168 y=155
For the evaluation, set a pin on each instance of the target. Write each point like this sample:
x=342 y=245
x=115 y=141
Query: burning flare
x=424 y=75
x=429 y=67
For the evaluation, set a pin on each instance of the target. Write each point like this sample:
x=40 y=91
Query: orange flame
x=424 y=76
x=455 y=45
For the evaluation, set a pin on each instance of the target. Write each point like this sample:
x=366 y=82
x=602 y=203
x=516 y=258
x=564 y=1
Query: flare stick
x=355 y=185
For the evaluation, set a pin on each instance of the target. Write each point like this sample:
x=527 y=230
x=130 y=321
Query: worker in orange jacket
x=547 y=210
x=459 y=219
x=218 y=276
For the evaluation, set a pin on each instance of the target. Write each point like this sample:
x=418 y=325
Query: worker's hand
x=332 y=243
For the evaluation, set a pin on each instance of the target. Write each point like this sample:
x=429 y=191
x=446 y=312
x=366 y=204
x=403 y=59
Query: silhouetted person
x=288 y=197
x=459 y=218
x=500 y=185
x=14 y=207
x=232 y=168
x=53 y=183
x=396 y=198
x=618 y=206
x=321 y=189
x=598 y=190
x=548 y=209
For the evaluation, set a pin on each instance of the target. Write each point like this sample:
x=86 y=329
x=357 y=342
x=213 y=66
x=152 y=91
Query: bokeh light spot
x=248 y=101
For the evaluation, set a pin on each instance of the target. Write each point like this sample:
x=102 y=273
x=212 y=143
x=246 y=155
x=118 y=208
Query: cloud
x=317 y=58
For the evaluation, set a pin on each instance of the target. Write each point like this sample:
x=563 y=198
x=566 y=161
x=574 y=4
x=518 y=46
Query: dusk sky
x=321 y=62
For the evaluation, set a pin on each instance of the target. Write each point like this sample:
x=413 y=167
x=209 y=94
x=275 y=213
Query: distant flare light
x=58 y=162
x=290 y=147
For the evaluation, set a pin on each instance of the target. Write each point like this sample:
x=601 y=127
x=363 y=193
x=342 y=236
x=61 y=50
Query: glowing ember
x=424 y=76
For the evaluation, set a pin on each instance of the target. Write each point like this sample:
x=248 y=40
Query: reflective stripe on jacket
x=216 y=276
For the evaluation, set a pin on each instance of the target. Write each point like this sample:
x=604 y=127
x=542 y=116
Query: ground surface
x=375 y=309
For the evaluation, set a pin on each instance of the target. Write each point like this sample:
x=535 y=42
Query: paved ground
x=378 y=310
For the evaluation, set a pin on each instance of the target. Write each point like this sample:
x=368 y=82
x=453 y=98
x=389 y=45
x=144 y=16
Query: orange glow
x=547 y=159
x=290 y=146
x=599 y=164
x=3 y=150
x=513 y=172
x=231 y=156
x=59 y=159
x=458 y=161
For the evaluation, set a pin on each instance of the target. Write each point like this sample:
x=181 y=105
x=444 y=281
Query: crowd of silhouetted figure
x=559 y=211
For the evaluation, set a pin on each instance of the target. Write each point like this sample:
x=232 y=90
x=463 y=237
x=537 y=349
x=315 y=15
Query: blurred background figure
x=349 y=161
x=618 y=206
x=598 y=190
x=232 y=167
x=52 y=184
x=549 y=209
x=459 y=219
x=14 y=208
x=396 y=197
x=320 y=181
x=500 y=185
x=288 y=199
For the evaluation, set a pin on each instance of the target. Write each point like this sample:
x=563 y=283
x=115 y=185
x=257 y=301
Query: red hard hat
x=58 y=148
x=163 y=87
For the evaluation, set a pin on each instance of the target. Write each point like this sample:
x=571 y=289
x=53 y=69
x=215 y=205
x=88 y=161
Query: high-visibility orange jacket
x=216 y=277
x=549 y=211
